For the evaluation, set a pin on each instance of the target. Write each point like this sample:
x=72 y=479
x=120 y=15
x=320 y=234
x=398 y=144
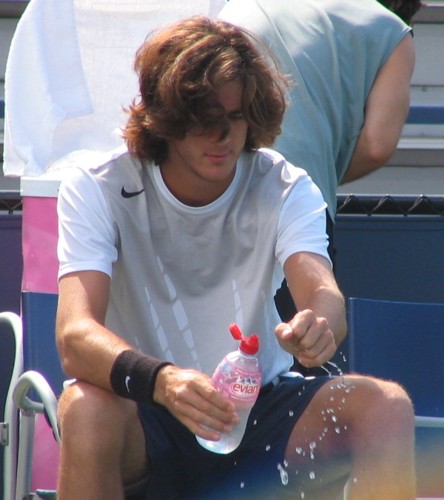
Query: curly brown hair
x=180 y=69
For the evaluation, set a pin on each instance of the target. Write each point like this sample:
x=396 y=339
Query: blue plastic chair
x=19 y=411
x=402 y=341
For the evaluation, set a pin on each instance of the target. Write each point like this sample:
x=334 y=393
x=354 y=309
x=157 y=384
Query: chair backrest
x=401 y=341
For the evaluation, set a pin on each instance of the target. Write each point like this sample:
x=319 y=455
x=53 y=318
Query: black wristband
x=134 y=374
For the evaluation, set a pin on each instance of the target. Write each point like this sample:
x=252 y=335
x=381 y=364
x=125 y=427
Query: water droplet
x=355 y=479
x=326 y=370
x=334 y=418
x=312 y=445
x=298 y=450
x=335 y=366
x=255 y=422
x=268 y=447
x=312 y=475
x=290 y=413
x=337 y=430
x=242 y=484
x=302 y=494
x=284 y=474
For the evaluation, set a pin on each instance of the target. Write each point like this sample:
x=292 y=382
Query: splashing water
x=284 y=474
x=336 y=367
x=329 y=373
x=340 y=386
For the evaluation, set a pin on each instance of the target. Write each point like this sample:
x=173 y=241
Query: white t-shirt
x=181 y=274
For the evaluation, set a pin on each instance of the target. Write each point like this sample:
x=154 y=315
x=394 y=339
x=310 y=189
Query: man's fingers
x=319 y=354
x=200 y=407
x=308 y=338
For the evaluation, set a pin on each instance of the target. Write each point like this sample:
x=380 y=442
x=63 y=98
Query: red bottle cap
x=248 y=345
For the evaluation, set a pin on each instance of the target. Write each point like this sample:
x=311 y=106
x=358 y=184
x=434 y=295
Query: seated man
x=166 y=244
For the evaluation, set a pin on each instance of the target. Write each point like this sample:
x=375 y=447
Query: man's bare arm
x=87 y=349
x=386 y=110
x=319 y=326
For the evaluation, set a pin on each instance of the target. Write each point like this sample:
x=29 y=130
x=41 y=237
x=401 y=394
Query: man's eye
x=238 y=115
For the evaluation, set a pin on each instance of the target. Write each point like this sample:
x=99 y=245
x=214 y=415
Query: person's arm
x=88 y=351
x=319 y=326
x=86 y=348
x=386 y=110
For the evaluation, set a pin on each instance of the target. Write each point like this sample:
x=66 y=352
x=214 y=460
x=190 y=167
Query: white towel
x=69 y=74
x=44 y=84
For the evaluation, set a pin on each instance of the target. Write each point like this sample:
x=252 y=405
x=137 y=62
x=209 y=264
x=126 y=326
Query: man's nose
x=220 y=134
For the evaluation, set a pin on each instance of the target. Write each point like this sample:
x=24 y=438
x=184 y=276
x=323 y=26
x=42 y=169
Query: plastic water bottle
x=238 y=377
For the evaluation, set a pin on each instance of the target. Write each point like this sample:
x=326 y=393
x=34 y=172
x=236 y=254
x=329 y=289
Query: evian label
x=237 y=384
x=245 y=387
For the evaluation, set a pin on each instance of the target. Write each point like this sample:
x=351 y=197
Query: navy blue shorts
x=181 y=468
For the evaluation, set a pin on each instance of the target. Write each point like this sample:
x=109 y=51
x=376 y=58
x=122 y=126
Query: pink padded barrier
x=39 y=235
x=46 y=457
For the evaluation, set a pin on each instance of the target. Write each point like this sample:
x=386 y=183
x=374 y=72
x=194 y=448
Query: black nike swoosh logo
x=130 y=194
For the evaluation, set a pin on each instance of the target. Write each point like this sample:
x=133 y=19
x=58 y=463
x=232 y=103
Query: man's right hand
x=190 y=396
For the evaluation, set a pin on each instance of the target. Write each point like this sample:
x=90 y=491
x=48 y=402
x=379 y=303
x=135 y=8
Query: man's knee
x=383 y=395
x=94 y=411
x=98 y=426
x=359 y=403
x=379 y=404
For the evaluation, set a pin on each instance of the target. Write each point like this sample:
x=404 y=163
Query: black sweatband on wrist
x=133 y=375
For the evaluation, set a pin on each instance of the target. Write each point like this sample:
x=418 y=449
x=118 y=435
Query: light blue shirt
x=332 y=49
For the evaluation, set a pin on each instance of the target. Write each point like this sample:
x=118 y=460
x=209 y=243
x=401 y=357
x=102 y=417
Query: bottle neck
x=247 y=355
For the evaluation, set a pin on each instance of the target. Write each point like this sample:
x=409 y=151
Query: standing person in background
x=162 y=247
x=350 y=63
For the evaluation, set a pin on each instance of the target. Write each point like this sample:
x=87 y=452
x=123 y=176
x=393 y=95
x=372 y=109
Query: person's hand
x=308 y=338
x=190 y=396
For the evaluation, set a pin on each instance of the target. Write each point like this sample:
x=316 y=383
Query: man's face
x=201 y=166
